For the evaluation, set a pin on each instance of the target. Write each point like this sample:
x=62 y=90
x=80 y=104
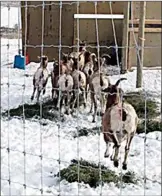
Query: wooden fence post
x=124 y=66
x=141 y=39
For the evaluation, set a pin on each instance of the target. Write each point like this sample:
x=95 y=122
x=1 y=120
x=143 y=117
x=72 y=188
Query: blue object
x=19 y=61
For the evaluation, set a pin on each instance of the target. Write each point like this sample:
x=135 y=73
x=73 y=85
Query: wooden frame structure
x=51 y=33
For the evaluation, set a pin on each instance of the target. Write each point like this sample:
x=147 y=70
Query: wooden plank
x=98 y=16
x=75 y=33
x=147 y=30
x=141 y=42
x=125 y=36
x=152 y=50
x=148 y=21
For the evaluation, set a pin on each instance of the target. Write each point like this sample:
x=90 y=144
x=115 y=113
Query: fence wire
x=60 y=137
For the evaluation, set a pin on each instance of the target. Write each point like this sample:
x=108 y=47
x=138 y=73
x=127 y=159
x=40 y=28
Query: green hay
x=86 y=132
x=151 y=126
x=31 y=111
x=137 y=100
x=89 y=174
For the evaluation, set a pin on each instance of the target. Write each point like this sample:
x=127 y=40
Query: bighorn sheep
x=65 y=87
x=55 y=77
x=40 y=77
x=79 y=55
x=119 y=122
x=89 y=68
x=97 y=83
x=67 y=62
x=79 y=84
x=65 y=66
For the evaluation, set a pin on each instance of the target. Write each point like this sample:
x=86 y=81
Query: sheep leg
x=34 y=89
x=56 y=98
x=107 y=152
x=38 y=95
x=115 y=140
x=86 y=89
x=92 y=102
x=59 y=100
x=67 y=103
x=84 y=98
x=61 y=103
x=102 y=104
x=113 y=153
x=95 y=108
x=73 y=104
x=44 y=86
x=52 y=93
x=116 y=161
x=127 y=147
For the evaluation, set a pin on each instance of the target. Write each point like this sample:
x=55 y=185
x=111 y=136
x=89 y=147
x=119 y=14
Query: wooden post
x=125 y=37
x=141 y=39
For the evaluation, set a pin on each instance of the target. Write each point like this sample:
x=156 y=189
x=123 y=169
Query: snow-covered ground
x=8 y=53
x=67 y=147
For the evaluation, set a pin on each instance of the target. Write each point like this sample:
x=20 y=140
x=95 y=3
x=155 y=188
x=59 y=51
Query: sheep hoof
x=32 y=97
x=111 y=158
x=67 y=112
x=44 y=92
x=61 y=115
x=106 y=155
x=116 y=163
x=124 y=166
x=102 y=113
x=117 y=145
x=93 y=121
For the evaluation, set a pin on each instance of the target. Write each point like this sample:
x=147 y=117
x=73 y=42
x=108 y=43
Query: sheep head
x=99 y=64
x=93 y=57
x=87 y=57
x=114 y=93
x=43 y=60
x=55 y=63
x=66 y=57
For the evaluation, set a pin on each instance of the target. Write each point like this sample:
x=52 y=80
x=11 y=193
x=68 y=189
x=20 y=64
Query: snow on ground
x=88 y=146
x=7 y=54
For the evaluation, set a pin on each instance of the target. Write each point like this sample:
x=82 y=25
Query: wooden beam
x=98 y=16
x=141 y=40
x=147 y=21
x=124 y=66
x=146 y=30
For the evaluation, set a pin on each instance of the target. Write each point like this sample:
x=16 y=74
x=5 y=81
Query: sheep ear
x=105 y=90
x=102 y=61
x=64 y=54
x=38 y=57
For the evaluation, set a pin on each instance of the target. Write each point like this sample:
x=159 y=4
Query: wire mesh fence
x=34 y=151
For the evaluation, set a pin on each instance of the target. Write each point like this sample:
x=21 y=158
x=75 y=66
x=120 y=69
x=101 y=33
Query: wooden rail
x=147 y=21
x=147 y=30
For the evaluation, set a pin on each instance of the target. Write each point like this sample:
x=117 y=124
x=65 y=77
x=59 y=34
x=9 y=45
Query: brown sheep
x=119 y=122
x=40 y=77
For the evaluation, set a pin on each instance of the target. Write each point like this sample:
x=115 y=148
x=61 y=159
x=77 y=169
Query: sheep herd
x=80 y=74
